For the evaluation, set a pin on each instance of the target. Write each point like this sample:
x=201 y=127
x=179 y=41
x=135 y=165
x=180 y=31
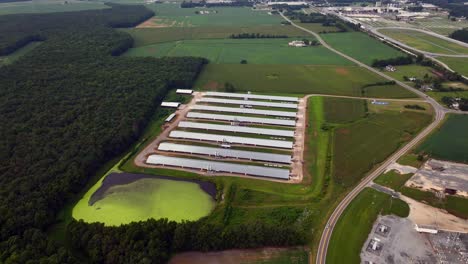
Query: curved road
x=440 y=112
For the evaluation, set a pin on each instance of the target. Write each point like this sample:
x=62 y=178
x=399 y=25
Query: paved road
x=439 y=116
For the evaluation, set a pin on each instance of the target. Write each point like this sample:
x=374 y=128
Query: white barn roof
x=247 y=102
x=170 y=104
x=245 y=119
x=254 y=96
x=238 y=129
x=184 y=91
x=244 y=111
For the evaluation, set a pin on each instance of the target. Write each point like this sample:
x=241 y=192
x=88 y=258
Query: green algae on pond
x=121 y=198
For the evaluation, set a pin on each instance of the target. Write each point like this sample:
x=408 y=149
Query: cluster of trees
x=417 y=8
x=154 y=241
x=255 y=35
x=239 y=3
x=461 y=35
x=456 y=8
x=415 y=107
x=67 y=107
x=327 y=21
x=462 y=102
x=402 y=60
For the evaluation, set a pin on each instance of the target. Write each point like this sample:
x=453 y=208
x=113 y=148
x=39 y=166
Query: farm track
x=440 y=112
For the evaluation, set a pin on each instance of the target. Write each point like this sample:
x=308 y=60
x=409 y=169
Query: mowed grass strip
x=360 y=46
x=254 y=51
x=393 y=180
x=344 y=110
x=147 y=36
x=290 y=79
x=450 y=141
x=425 y=42
x=355 y=224
x=363 y=144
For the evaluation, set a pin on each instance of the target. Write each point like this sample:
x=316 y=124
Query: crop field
x=364 y=144
x=393 y=180
x=147 y=36
x=425 y=42
x=48 y=6
x=171 y=15
x=317 y=27
x=356 y=222
x=387 y=91
x=344 y=110
x=129 y=198
x=4 y=60
x=291 y=79
x=255 y=51
x=360 y=46
x=449 y=142
x=459 y=65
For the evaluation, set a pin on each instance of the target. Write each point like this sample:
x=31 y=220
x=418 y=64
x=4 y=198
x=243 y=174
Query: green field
x=48 y=6
x=255 y=51
x=4 y=60
x=450 y=141
x=171 y=15
x=425 y=42
x=317 y=27
x=393 y=180
x=439 y=95
x=455 y=205
x=416 y=71
x=147 y=36
x=360 y=46
x=459 y=65
x=291 y=79
x=355 y=224
x=344 y=110
x=143 y=199
x=364 y=144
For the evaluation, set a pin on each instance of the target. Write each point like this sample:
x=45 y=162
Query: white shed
x=170 y=104
x=184 y=91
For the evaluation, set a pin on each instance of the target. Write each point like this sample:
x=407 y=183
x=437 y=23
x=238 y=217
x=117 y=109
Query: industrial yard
x=217 y=133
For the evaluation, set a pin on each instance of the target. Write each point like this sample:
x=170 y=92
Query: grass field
x=439 y=95
x=450 y=141
x=411 y=159
x=4 y=60
x=387 y=91
x=453 y=204
x=356 y=222
x=48 y=6
x=416 y=71
x=291 y=79
x=143 y=199
x=393 y=180
x=344 y=110
x=255 y=51
x=147 y=36
x=364 y=144
x=459 y=65
x=316 y=27
x=360 y=46
x=171 y=15
x=425 y=42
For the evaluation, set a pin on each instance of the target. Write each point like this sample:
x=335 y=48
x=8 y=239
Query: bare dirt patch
x=154 y=23
x=342 y=71
x=211 y=85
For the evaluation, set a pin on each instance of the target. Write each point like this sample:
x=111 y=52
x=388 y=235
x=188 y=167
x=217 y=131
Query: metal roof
x=232 y=139
x=246 y=119
x=238 y=129
x=254 y=96
x=244 y=110
x=216 y=166
x=184 y=91
x=225 y=153
x=170 y=104
x=247 y=102
x=170 y=117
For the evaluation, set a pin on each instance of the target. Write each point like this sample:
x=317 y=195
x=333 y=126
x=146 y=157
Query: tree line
x=401 y=60
x=240 y=3
x=461 y=35
x=67 y=107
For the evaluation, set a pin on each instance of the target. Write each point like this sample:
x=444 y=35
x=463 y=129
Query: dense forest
x=67 y=107
x=461 y=35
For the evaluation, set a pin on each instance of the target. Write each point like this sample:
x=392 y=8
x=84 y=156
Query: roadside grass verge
x=393 y=180
x=356 y=223
x=411 y=159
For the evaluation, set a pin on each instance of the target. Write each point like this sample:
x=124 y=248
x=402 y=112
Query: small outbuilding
x=170 y=117
x=170 y=104
x=184 y=91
